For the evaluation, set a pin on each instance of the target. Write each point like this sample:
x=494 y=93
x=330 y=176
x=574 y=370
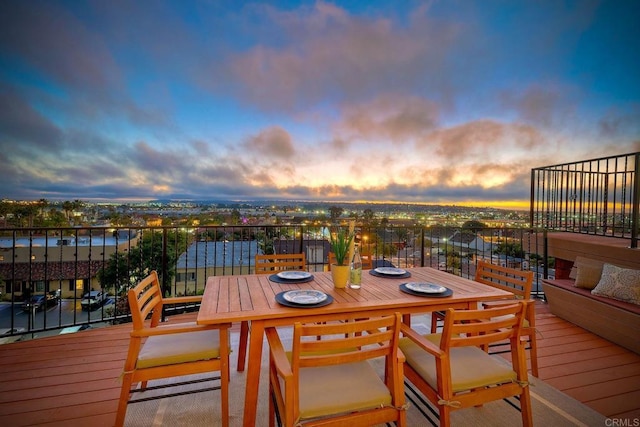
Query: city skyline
x=430 y=102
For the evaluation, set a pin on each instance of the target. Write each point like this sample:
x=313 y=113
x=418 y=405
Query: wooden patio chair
x=519 y=283
x=162 y=351
x=275 y=263
x=331 y=382
x=268 y=264
x=367 y=260
x=453 y=373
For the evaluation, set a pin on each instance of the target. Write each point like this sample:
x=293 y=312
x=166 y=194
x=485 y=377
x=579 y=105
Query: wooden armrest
x=499 y=303
x=421 y=341
x=178 y=328
x=401 y=357
x=279 y=356
x=179 y=300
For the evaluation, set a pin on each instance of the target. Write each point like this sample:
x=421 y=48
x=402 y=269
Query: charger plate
x=296 y=299
x=447 y=293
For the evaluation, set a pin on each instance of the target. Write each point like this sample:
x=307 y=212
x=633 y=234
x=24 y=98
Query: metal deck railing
x=597 y=196
x=68 y=262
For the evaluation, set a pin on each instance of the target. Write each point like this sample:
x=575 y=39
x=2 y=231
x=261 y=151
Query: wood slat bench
x=614 y=320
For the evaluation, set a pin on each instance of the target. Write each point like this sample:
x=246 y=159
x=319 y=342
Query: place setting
x=390 y=272
x=425 y=289
x=307 y=298
x=291 y=277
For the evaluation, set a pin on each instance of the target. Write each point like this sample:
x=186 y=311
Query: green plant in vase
x=340 y=242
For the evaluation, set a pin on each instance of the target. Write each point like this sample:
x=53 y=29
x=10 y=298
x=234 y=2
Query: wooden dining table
x=229 y=299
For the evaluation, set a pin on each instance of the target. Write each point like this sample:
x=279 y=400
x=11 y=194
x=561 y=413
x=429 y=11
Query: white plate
x=294 y=275
x=426 y=288
x=305 y=297
x=390 y=271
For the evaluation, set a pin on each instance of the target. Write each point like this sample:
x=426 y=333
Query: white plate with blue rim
x=294 y=275
x=305 y=297
x=425 y=288
x=390 y=271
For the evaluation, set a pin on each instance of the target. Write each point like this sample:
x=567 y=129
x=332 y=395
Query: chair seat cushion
x=470 y=366
x=336 y=389
x=182 y=347
x=525 y=322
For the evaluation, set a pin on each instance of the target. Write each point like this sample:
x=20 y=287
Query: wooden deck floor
x=72 y=380
x=588 y=368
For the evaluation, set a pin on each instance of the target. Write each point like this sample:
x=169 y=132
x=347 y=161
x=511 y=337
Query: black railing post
x=635 y=210
x=165 y=269
x=301 y=242
x=532 y=199
x=423 y=246
x=545 y=254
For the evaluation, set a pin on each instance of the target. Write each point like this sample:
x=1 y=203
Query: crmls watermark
x=618 y=422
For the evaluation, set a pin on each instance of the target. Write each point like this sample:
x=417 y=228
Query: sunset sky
x=448 y=102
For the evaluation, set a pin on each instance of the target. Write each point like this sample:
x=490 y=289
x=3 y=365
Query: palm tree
x=42 y=205
x=5 y=210
x=474 y=225
x=67 y=207
x=367 y=216
x=335 y=212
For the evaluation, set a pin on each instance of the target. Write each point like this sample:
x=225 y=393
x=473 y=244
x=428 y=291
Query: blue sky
x=449 y=102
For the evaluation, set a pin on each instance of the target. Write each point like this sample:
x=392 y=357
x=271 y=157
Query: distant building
x=155 y=221
x=69 y=264
x=469 y=244
x=204 y=259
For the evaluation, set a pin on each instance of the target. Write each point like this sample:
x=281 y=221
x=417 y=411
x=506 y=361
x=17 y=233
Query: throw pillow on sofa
x=619 y=283
x=588 y=272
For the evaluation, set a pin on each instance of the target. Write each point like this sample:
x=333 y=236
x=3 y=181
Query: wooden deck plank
x=590 y=392
x=63 y=377
x=26 y=404
x=84 y=414
x=592 y=345
x=549 y=343
x=615 y=406
x=597 y=376
x=43 y=372
x=585 y=367
x=634 y=414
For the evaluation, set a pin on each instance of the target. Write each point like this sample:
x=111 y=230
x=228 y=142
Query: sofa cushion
x=588 y=272
x=619 y=283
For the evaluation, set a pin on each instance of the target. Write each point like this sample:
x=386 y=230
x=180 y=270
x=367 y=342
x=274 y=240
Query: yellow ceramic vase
x=340 y=275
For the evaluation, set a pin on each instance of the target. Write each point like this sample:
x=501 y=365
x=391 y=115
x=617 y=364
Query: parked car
x=7 y=332
x=39 y=302
x=73 y=329
x=93 y=299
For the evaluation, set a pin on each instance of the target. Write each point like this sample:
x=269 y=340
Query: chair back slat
x=344 y=342
x=273 y=263
x=464 y=328
x=512 y=280
x=143 y=299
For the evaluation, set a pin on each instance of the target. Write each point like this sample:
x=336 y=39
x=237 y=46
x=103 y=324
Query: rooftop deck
x=72 y=380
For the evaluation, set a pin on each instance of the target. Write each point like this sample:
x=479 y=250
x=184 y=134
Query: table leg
x=253 y=373
x=406 y=319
